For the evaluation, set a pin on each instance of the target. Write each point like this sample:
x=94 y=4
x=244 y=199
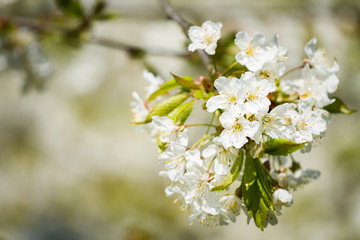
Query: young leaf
x=165 y=88
x=71 y=7
x=186 y=83
x=281 y=146
x=201 y=94
x=257 y=190
x=232 y=175
x=165 y=107
x=182 y=112
x=338 y=107
x=161 y=145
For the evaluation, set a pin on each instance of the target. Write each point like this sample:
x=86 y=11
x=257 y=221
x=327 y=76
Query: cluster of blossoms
x=260 y=116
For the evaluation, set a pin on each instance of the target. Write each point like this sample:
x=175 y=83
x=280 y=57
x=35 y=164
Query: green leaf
x=161 y=145
x=250 y=173
x=182 y=112
x=257 y=190
x=339 y=107
x=201 y=94
x=71 y=7
x=281 y=146
x=165 y=88
x=232 y=175
x=165 y=107
x=186 y=83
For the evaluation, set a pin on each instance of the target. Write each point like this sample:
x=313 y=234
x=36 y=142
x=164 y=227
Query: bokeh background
x=71 y=166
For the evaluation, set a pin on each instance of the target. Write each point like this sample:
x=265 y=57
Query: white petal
x=217 y=102
x=242 y=39
x=258 y=39
x=310 y=47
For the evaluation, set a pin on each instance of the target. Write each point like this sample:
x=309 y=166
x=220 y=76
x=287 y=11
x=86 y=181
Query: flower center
x=238 y=127
x=249 y=52
x=208 y=39
x=302 y=125
x=232 y=206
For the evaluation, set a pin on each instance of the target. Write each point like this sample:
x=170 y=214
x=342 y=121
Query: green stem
x=211 y=121
x=200 y=124
x=201 y=140
x=233 y=64
x=212 y=161
x=291 y=71
x=214 y=63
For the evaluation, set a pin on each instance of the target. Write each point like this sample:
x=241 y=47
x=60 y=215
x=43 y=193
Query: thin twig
x=172 y=14
x=134 y=50
x=292 y=70
x=34 y=24
x=185 y=25
x=49 y=27
x=200 y=124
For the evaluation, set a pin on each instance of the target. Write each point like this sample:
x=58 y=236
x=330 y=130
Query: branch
x=172 y=14
x=49 y=27
x=185 y=25
x=135 y=51
x=34 y=24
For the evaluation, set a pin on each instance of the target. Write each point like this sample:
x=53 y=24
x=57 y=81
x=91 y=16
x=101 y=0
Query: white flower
x=254 y=92
x=204 y=218
x=222 y=158
x=173 y=160
x=277 y=123
x=280 y=52
x=282 y=197
x=154 y=82
x=311 y=86
x=271 y=218
x=168 y=131
x=247 y=94
x=300 y=177
x=205 y=37
x=177 y=190
x=308 y=122
x=198 y=193
x=229 y=207
x=237 y=129
x=252 y=54
x=275 y=60
x=229 y=94
x=193 y=159
x=138 y=108
x=318 y=59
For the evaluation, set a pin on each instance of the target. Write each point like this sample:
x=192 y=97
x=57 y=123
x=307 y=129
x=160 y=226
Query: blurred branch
x=34 y=24
x=134 y=50
x=185 y=25
x=172 y=14
x=48 y=27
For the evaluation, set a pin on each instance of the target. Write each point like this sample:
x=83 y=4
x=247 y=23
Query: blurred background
x=71 y=166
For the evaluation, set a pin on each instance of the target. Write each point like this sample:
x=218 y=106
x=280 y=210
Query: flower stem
x=227 y=70
x=212 y=161
x=211 y=121
x=200 y=124
x=292 y=70
x=198 y=142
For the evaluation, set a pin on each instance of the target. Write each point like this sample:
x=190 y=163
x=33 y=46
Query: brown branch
x=135 y=51
x=49 y=27
x=172 y=14
x=185 y=25
x=292 y=70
